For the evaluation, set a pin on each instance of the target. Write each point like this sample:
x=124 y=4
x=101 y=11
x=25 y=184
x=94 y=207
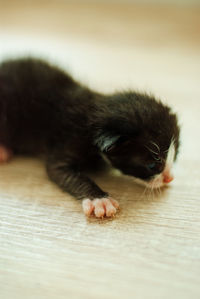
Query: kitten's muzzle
x=167 y=177
x=161 y=179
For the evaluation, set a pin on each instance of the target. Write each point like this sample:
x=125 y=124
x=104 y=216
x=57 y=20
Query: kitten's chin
x=156 y=182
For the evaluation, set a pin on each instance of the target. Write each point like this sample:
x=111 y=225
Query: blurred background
x=112 y=45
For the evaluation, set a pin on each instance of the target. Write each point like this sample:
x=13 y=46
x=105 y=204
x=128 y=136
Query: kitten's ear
x=106 y=142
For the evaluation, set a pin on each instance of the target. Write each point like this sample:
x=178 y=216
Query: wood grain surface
x=151 y=249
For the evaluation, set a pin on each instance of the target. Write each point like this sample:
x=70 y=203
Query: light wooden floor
x=151 y=249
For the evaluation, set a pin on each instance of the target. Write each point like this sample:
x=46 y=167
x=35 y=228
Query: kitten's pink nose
x=167 y=178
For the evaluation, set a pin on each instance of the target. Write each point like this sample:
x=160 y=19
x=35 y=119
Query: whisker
x=155 y=144
x=143 y=193
x=154 y=188
x=157 y=192
x=147 y=190
x=149 y=195
x=166 y=151
x=152 y=151
x=150 y=192
x=160 y=190
x=172 y=142
x=157 y=159
x=152 y=198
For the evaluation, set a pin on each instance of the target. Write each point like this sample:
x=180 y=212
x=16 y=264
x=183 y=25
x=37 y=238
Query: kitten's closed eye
x=151 y=165
x=155 y=167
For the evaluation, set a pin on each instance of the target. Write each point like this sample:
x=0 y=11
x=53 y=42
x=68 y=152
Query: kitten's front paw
x=100 y=207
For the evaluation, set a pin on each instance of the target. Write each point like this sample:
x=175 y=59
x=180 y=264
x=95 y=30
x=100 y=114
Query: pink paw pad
x=100 y=207
x=5 y=154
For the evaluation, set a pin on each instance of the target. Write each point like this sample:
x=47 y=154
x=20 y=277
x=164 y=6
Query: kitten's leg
x=79 y=185
x=5 y=154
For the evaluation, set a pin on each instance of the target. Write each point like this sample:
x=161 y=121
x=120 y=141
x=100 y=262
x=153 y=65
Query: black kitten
x=44 y=110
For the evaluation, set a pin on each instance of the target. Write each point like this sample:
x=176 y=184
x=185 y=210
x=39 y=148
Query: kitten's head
x=140 y=138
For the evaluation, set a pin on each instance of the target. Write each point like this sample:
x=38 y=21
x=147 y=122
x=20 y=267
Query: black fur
x=44 y=110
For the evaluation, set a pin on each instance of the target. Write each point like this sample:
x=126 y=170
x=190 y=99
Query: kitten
x=43 y=110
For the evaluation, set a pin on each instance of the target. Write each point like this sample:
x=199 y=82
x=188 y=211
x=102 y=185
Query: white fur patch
x=170 y=155
x=157 y=182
